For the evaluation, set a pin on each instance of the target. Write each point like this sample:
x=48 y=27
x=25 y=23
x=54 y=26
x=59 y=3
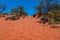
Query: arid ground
x=27 y=29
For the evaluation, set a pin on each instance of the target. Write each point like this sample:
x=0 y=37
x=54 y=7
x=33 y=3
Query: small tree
x=14 y=10
x=19 y=10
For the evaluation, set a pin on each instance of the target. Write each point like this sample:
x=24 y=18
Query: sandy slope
x=27 y=29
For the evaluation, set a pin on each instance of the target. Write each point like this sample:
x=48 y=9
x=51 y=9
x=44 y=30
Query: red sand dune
x=27 y=29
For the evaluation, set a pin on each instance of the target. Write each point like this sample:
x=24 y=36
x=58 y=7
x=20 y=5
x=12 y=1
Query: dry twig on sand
x=54 y=26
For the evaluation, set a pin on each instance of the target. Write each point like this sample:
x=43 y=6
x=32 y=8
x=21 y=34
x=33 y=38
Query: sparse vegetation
x=12 y=18
x=19 y=11
x=51 y=11
x=46 y=11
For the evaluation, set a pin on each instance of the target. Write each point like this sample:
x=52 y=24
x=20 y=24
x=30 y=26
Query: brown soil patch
x=27 y=29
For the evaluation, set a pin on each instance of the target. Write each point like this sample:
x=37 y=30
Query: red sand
x=27 y=29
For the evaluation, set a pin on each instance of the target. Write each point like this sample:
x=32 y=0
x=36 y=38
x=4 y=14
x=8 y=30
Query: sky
x=29 y=5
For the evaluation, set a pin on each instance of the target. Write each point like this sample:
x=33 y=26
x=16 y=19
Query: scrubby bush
x=12 y=18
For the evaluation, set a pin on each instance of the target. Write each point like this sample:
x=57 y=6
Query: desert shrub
x=53 y=26
x=3 y=15
x=12 y=18
x=55 y=16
